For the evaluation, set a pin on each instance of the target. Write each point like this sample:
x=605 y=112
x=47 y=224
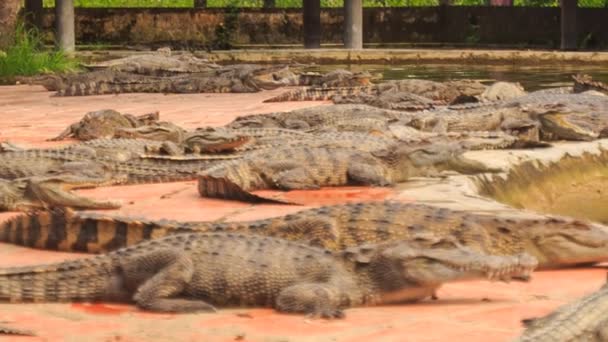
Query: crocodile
x=160 y=63
x=34 y=193
x=555 y=241
x=312 y=168
x=195 y=272
x=447 y=92
x=316 y=117
x=581 y=320
x=30 y=163
x=532 y=117
x=583 y=83
x=103 y=124
x=337 y=78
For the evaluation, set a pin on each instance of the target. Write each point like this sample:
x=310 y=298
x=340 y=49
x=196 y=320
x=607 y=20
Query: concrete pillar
x=312 y=23
x=569 y=9
x=353 y=24
x=64 y=19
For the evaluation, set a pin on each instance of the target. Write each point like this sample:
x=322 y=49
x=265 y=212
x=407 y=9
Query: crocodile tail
x=70 y=231
x=223 y=187
x=318 y=94
x=85 y=279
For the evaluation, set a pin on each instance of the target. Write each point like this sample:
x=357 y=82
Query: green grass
x=25 y=57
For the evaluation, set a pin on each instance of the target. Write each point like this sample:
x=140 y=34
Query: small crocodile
x=554 y=241
x=312 y=168
x=194 y=272
x=582 y=320
x=103 y=124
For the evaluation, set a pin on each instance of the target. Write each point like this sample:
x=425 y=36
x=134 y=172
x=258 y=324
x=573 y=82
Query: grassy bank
x=26 y=57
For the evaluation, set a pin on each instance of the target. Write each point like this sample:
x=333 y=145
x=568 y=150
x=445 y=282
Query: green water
x=530 y=77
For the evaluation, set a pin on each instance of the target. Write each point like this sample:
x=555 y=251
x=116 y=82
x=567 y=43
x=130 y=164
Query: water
x=530 y=77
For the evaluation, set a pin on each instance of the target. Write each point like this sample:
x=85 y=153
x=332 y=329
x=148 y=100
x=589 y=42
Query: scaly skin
x=582 y=320
x=312 y=168
x=194 y=272
x=103 y=124
x=555 y=242
x=36 y=193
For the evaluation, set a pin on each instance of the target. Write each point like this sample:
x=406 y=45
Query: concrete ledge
x=387 y=56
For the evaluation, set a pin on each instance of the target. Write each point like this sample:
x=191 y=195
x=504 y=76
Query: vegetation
x=298 y=3
x=25 y=57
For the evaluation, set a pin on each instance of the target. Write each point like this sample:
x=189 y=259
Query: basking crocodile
x=103 y=124
x=196 y=272
x=30 y=163
x=582 y=320
x=554 y=241
x=311 y=168
x=34 y=193
x=444 y=93
x=160 y=63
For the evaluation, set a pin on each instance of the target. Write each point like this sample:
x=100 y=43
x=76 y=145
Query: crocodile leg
x=172 y=271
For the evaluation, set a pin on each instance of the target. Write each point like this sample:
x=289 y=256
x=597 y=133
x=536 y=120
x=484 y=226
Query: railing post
x=64 y=18
x=269 y=4
x=200 y=3
x=312 y=23
x=353 y=24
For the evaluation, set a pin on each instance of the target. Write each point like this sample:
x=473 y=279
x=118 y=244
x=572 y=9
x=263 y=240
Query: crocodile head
x=42 y=192
x=213 y=140
x=572 y=126
x=271 y=78
x=162 y=131
x=427 y=159
x=430 y=261
x=559 y=242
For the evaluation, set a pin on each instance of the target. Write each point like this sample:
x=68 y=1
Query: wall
x=486 y=25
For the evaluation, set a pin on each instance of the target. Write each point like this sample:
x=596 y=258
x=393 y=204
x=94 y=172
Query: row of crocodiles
x=317 y=261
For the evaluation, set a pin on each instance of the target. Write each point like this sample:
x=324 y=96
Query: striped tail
x=320 y=94
x=77 y=280
x=70 y=231
x=222 y=187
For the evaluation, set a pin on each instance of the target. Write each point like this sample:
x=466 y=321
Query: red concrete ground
x=472 y=311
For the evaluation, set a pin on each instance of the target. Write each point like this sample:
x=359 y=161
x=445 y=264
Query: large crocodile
x=196 y=272
x=554 y=241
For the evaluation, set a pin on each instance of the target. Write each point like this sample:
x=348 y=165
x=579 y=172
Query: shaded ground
x=473 y=311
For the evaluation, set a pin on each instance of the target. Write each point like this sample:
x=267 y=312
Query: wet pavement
x=471 y=311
